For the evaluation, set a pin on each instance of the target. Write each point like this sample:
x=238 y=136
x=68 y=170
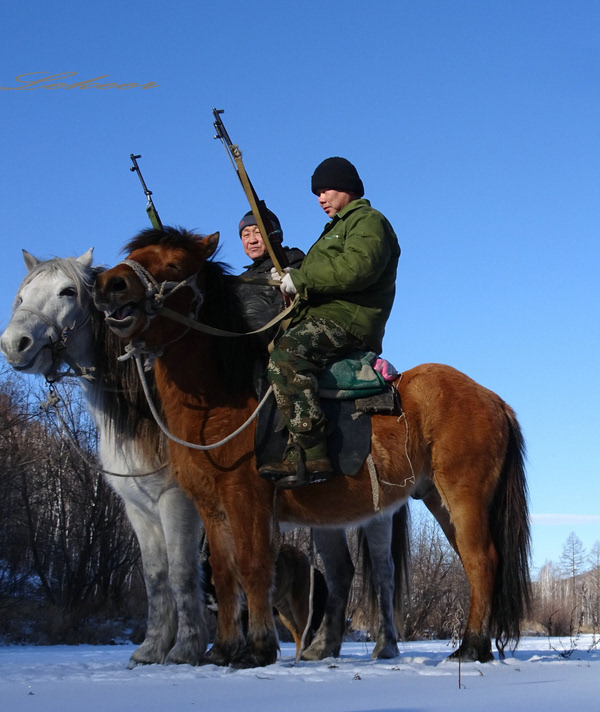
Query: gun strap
x=249 y=191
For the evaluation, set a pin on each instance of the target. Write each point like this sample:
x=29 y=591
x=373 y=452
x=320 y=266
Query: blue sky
x=473 y=124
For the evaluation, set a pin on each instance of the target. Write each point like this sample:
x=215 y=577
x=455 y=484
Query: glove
x=275 y=276
x=287 y=286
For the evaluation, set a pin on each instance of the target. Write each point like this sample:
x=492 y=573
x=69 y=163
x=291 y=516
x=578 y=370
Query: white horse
x=53 y=321
x=55 y=325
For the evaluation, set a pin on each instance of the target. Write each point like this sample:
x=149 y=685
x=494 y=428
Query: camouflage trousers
x=295 y=363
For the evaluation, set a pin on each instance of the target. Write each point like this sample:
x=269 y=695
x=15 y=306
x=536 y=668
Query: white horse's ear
x=30 y=260
x=86 y=258
x=211 y=243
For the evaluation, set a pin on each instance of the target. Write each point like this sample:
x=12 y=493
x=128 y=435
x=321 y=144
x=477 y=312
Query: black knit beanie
x=249 y=219
x=337 y=174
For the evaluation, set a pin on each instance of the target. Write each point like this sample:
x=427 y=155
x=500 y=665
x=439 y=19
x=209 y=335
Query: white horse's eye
x=68 y=292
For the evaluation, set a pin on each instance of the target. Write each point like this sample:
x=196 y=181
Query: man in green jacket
x=346 y=287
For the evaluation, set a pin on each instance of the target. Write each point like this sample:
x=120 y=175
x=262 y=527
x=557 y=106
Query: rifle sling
x=206 y=329
x=250 y=194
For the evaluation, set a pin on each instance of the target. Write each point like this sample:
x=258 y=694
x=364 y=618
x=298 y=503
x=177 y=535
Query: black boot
x=299 y=468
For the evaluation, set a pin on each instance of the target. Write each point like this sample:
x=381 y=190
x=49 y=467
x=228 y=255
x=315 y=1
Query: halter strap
x=43 y=317
x=156 y=292
x=59 y=347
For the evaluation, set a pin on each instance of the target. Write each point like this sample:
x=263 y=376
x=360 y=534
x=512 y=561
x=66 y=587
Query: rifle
x=150 y=209
x=270 y=236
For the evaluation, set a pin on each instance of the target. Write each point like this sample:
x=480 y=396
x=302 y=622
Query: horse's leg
x=479 y=562
x=378 y=533
x=464 y=519
x=182 y=526
x=229 y=637
x=162 y=615
x=339 y=572
x=434 y=504
x=287 y=618
x=479 y=559
x=257 y=570
x=292 y=592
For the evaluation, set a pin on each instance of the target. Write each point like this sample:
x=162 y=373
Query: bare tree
x=594 y=586
x=68 y=553
x=572 y=561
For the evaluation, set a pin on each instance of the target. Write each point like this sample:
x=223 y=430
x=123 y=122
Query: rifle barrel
x=150 y=209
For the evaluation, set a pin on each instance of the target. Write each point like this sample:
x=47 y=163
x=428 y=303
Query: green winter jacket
x=349 y=274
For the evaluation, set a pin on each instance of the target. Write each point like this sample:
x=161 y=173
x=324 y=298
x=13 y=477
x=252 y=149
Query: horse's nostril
x=24 y=344
x=116 y=284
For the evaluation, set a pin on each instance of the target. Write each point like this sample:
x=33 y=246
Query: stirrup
x=313 y=472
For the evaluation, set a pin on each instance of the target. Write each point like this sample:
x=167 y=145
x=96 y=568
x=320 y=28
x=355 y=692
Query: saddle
x=351 y=390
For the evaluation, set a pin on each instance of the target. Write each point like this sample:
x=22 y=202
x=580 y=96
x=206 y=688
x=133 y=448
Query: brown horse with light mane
x=456 y=445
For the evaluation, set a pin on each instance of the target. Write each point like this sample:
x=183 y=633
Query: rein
x=163 y=427
x=213 y=331
x=156 y=293
x=51 y=403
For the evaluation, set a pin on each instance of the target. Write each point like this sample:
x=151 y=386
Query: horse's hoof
x=185 y=655
x=387 y=652
x=249 y=659
x=257 y=654
x=475 y=649
x=216 y=657
x=319 y=652
x=146 y=655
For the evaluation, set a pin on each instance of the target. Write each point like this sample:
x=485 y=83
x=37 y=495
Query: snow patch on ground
x=543 y=675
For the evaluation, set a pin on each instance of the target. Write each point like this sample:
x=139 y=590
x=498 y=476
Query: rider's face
x=332 y=201
x=252 y=242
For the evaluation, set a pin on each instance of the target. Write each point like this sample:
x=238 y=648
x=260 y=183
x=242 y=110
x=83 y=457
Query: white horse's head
x=50 y=310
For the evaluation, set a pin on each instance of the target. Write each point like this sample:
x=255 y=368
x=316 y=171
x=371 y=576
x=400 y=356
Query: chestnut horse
x=456 y=445
x=54 y=323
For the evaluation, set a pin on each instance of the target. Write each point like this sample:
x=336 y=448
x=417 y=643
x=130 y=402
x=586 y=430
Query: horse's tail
x=509 y=523
x=400 y=551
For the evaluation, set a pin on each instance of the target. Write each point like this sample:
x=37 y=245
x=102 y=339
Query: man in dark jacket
x=346 y=287
x=262 y=302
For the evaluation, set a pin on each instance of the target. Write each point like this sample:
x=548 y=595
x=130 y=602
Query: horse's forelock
x=171 y=236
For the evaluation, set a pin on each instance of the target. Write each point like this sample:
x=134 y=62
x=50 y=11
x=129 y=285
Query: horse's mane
x=119 y=394
x=222 y=307
x=115 y=391
x=168 y=236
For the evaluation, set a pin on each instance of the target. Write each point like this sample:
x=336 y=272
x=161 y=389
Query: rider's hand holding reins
x=285 y=282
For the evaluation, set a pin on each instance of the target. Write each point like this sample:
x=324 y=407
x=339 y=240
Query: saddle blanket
x=360 y=374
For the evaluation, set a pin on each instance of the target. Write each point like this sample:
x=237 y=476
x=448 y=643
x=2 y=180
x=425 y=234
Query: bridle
x=59 y=349
x=156 y=292
x=154 y=304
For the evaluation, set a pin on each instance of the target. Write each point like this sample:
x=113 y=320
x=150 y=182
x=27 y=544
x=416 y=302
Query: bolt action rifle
x=270 y=236
x=150 y=209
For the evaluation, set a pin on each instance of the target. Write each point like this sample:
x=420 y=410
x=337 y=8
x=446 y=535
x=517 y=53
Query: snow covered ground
x=96 y=679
